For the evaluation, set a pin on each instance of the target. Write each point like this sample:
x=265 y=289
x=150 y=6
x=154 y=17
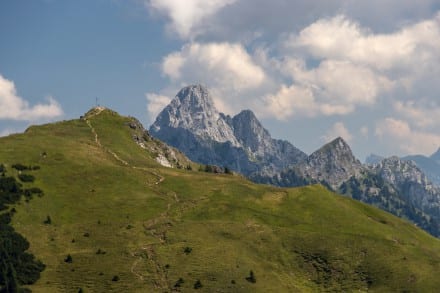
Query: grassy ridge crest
x=132 y=225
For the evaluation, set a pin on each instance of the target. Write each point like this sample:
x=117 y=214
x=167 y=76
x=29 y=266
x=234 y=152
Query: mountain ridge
x=249 y=149
x=192 y=124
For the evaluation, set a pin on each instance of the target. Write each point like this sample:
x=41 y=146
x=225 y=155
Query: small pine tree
x=48 y=221
x=251 y=277
x=179 y=283
x=198 y=285
x=68 y=259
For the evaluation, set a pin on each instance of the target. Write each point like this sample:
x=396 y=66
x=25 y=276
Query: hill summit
x=109 y=218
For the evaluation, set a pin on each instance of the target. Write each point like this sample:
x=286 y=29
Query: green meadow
x=131 y=225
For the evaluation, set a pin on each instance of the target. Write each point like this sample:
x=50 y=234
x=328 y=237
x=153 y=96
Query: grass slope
x=153 y=226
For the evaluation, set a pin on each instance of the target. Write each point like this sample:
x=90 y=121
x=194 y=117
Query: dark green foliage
x=187 y=250
x=48 y=221
x=68 y=259
x=115 y=278
x=100 y=251
x=87 y=234
x=2 y=168
x=26 y=177
x=20 y=167
x=80 y=290
x=179 y=283
x=17 y=267
x=251 y=278
x=198 y=285
x=227 y=170
x=31 y=191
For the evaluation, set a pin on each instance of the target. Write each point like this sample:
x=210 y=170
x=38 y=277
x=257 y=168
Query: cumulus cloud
x=289 y=101
x=420 y=114
x=218 y=64
x=155 y=104
x=13 y=107
x=343 y=39
x=400 y=134
x=227 y=69
x=337 y=130
x=332 y=88
x=218 y=20
x=185 y=16
x=333 y=66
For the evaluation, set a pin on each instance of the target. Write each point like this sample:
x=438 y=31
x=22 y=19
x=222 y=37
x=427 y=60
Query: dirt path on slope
x=157 y=227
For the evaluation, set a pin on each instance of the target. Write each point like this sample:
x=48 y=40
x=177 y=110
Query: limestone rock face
x=334 y=163
x=192 y=124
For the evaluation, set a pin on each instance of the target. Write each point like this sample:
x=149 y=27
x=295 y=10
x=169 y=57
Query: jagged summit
x=192 y=123
x=332 y=163
x=193 y=109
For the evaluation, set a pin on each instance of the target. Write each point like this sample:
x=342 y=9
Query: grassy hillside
x=131 y=225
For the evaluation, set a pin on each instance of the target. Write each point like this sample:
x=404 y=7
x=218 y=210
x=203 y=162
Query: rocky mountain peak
x=192 y=124
x=333 y=163
x=195 y=97
x=193 y=109
x=396 y=170
x=251 y=133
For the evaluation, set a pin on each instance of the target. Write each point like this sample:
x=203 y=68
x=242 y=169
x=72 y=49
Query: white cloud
x=155 y=104
x=217 y=64
x=338 y=130
x=343 y=39
x=13 y=107
x=187 y=15
x=289 y=101
x=398 y=133
x=421 y=114
x=342 y=84
x=332 y=88
x=227 y=69
x=334 y=66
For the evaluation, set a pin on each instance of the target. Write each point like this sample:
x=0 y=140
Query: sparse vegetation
x=251 y=278
x=179 y=283
x=26 y=177
x=48 y=221
x=68 y=259
x=198 y=285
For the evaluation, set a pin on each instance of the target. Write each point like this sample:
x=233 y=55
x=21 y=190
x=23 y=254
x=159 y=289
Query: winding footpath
x=157 y=227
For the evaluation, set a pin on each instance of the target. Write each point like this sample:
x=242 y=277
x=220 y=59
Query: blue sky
x=311 y=70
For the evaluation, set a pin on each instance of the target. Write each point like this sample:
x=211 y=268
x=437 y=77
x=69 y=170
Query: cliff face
x=192 y=123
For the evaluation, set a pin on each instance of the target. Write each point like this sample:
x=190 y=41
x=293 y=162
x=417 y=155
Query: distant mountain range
x=429 y=165
x=192 y=124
